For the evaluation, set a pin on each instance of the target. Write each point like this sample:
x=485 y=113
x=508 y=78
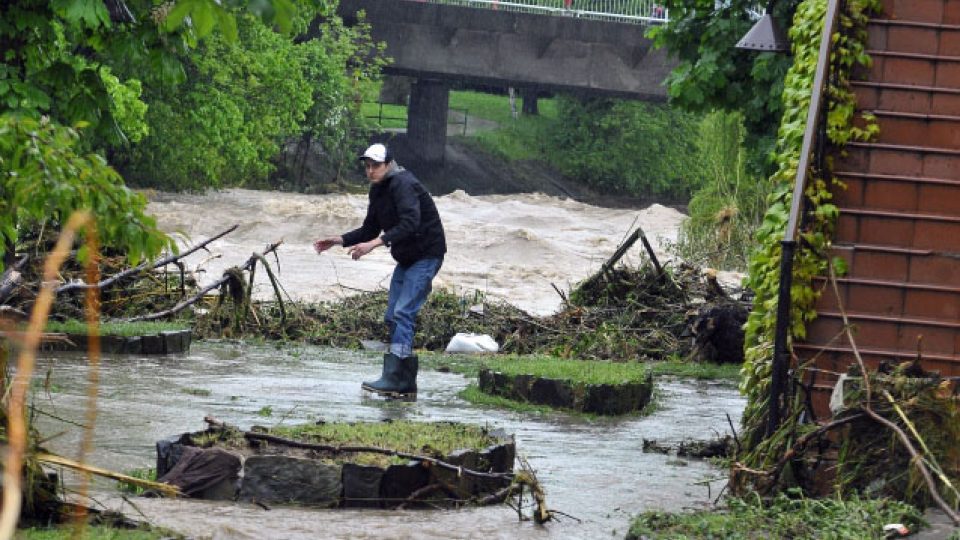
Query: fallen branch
x=425 y=490
x=622 y=250
x=194 y=299
x=145 y=266
x=53 y=459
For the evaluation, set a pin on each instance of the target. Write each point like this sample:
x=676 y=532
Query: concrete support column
x=427 y=119
x=530 y=101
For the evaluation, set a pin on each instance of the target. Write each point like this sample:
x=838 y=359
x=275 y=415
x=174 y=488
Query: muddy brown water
x=593 y=470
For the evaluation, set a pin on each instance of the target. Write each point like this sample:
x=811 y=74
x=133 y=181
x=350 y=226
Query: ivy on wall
x=848 y=51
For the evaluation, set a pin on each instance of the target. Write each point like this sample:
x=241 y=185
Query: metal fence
x=631 y=11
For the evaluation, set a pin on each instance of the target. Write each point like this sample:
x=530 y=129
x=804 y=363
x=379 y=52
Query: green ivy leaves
x=842 y=127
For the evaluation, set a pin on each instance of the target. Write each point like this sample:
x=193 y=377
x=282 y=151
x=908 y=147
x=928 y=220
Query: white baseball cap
x=376 y=152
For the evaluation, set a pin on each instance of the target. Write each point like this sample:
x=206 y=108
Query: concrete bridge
x=437 y=44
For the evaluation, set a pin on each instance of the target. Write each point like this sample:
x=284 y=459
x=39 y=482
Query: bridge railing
x=629 y=11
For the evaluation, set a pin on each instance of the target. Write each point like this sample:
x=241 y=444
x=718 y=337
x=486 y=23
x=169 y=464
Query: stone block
x=152 y=344
x=361 y=486
x=399 y=481
x=285 y=479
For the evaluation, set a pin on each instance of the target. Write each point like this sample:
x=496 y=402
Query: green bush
x=726 y=211
x=629 y=147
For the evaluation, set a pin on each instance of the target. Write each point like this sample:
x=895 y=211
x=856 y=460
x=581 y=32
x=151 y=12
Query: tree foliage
x=205 y=89
x=45 y=179
x=713 y=74
x=631 y=147
x=224 y=124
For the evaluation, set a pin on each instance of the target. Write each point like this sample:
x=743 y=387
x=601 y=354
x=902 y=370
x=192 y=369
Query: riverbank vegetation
x=114 y=328
x=788 y=515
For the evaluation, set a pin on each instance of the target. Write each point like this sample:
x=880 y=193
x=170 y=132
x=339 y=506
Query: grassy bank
x=148 y=328
x=675 y=367
x=98 y=532
x=593 y=372
x=434 y=439
x=783 y=517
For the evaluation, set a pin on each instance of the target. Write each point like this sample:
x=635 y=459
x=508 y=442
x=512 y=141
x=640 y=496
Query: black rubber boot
x=411 y=366
x=391 y=381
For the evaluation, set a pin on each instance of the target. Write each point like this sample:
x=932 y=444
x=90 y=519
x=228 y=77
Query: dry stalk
x=53 y=459
x=16 y=428
x=92 y=309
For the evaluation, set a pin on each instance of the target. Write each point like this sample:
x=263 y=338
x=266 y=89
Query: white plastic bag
x=472 y=343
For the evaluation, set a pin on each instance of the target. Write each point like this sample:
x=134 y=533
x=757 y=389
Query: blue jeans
x=409 y=288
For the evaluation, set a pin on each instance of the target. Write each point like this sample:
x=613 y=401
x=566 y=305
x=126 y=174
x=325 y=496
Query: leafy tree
x=335 y=122
x=631 y=147
x=713 y=74
x=54 y=73
x=45 y=179
x=224 y=124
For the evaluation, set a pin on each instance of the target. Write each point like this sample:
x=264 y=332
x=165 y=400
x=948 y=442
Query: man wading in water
x=403 y=210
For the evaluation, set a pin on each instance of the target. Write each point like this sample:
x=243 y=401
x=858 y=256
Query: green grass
x=202 y=392
x=496 y=107
x=784 y=517
x=515 y=139
x=435 y=439
x=588 y=372
x=91 y=533
x=471 y=365
x=473 y=395
x=391 y=116
x=148 y=328
x=148 y=473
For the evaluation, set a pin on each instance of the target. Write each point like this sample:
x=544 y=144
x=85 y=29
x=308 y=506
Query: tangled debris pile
x=622 y=314
x=619 y=313
x=893 y=434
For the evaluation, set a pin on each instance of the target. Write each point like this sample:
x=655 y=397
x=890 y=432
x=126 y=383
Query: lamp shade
x=765 y=35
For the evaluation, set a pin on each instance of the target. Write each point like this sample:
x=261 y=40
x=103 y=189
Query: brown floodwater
x=594 y=470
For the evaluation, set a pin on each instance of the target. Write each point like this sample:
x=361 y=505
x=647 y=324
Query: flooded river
x=509 y=247
x=593 y=470
x=513 y=248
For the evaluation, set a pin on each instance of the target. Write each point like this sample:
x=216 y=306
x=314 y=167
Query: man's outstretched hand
x=324 y=244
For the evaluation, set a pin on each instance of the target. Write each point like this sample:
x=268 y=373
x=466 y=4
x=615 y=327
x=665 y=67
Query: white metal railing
x=631 y=11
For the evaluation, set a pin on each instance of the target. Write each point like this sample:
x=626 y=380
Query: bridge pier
x=530 y=101
x=427 y=119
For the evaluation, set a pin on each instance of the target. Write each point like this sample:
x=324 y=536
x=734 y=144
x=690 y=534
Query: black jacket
x=404 y=211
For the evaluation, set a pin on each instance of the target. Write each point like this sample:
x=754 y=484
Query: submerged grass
x=473 y=394
x=786 y=516
x=146 y=328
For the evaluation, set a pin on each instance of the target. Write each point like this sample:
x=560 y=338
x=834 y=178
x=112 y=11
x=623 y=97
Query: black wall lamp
x=765 y=35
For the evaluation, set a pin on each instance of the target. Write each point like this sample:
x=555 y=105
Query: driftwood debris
x=229 y=275
x=11 y=278
x=637 y=234
x=172 y=259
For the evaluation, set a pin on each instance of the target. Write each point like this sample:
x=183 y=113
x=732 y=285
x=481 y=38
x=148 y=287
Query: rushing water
x=514 y=248
x=510 y=247
x=594 y=470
